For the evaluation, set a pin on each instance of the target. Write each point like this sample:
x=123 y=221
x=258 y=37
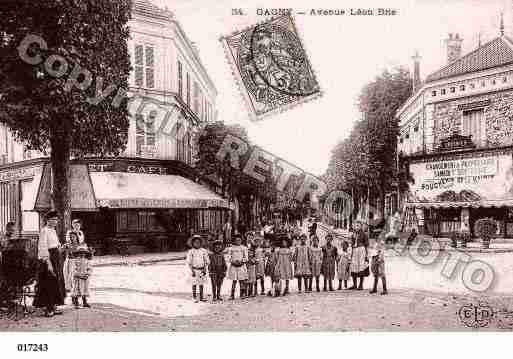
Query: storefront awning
x=138 y=190
x=473 y=204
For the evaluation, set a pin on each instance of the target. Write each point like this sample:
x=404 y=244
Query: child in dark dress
x=217 y=269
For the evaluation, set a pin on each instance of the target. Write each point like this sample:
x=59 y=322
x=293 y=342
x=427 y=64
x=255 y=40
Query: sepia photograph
x=225 y=167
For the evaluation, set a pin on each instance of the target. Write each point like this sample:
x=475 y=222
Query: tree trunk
x=60 y=161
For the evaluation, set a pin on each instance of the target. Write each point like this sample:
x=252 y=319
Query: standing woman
x=360 y=256
x=50 y=290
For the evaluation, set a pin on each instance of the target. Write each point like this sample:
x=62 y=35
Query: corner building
x=456 y=141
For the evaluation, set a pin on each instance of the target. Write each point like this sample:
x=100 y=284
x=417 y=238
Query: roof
x=497 y=52
x=146 y=7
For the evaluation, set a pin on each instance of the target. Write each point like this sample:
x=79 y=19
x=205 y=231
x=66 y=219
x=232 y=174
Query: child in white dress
x=198 y=261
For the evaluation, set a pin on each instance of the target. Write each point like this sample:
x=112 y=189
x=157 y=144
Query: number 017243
x=32 y=347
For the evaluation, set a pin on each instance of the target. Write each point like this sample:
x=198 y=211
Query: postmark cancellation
x=271 y=67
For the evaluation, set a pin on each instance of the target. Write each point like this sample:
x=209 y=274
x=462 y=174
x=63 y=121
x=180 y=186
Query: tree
x=50 y=105
x=365 y=162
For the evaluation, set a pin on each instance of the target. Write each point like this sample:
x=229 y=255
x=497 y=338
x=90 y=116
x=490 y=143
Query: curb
x=141 y=262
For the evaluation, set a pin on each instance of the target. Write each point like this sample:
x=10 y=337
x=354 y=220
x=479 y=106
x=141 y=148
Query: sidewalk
x=140 y=259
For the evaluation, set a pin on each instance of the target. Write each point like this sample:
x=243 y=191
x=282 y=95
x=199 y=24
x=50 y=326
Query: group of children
x=249 y=265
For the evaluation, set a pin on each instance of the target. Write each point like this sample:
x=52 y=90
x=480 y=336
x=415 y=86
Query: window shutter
x=139 y=65
x=150 y=65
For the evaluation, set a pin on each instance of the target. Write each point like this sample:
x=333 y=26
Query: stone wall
x=498 y=116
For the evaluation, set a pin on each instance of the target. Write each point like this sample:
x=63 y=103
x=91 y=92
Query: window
x=504 y=79
x=472 y=86
x=29 y=218
x=474 y=125
x=442 y=91
x=196 y=99
x=180 y=80
x=188 y=90
x=145 y=134
x=453 y=89
x=494 y=82
x=483 y=84
x=462 y=87
x=144 y=60
x=433 y=93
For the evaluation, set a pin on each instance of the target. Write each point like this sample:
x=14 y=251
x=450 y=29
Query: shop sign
x=17 y=173
x=456 y=142
x=479 y=178
x=160 y=203
x=473 y=105
x=127 y=167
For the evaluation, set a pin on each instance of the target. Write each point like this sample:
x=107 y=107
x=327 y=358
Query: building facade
x=456 y=141
x=150 y=194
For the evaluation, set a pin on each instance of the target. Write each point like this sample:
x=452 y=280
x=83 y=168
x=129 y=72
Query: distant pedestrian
x=378 y=265
x=198 y=261
x=284 y=265
x=343 y=273
x=217 y=269
x=315 y=262
x=329 y=262
x=82 y=271
x=302 y=270
x=238 y=271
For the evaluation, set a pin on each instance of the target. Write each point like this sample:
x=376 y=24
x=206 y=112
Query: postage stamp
x=271 y=67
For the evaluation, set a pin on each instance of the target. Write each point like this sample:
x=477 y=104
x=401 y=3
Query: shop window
x=29 y=218
x=473 y=124
x=144 y=61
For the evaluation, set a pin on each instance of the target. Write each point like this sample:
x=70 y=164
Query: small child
x=238 y=271
x=217 y=269
x=251 y=283
x=198 y=261
x=260 y=265
x=284 y=264
x=378 y=265
x=315 y=262
x=81 y=272
x=302 y=269
x=272 y=272
x=343 y=260
x=329 y=262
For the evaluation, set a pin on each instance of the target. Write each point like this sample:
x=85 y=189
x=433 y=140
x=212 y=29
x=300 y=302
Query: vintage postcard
x=178 y=166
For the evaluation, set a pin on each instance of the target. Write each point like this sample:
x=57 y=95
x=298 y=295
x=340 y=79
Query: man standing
x=313 y=228
x=227 y=232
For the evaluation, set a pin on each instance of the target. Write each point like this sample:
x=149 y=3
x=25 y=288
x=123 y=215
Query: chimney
x=453 y=46
x=416 y=71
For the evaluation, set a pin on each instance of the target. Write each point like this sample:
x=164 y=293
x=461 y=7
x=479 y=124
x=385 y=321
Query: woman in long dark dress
x=50 y=289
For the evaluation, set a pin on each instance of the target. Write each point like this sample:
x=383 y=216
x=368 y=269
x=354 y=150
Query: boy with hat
x=198 y=261
x=217 y=269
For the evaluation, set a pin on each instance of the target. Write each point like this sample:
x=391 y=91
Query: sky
x=346 y=52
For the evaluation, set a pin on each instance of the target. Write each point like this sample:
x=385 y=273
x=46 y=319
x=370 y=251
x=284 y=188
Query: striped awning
x=473 y=204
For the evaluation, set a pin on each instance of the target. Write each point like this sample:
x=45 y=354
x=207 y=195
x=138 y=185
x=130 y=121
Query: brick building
x=456 y=140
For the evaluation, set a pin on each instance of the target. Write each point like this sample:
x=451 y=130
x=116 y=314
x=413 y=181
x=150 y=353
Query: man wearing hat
x=50 y=290
x=198 y=261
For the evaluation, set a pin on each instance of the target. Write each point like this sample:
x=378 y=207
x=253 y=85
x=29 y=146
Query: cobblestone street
x=156 y=296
